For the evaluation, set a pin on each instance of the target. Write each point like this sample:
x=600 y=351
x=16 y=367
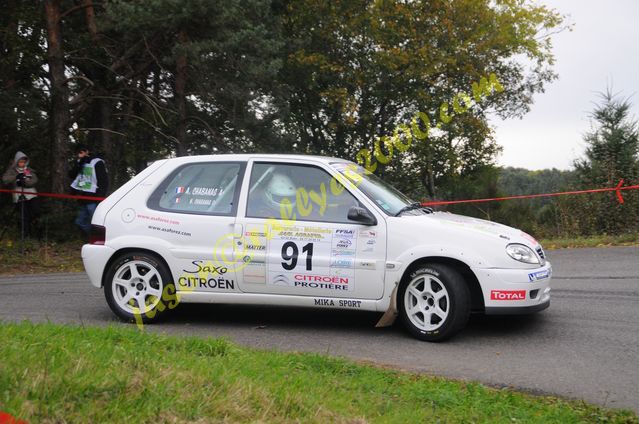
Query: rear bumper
x=95 y=258
x=515 y=291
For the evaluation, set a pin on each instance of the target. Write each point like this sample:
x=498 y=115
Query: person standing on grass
x=90 y=178
x=22 y=179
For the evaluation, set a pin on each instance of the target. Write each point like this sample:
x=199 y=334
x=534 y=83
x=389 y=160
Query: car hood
x=476 y=226
x=477 y=242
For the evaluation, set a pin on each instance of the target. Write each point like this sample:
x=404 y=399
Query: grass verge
x=39 y=257
x=51 y=373
x=630 y=239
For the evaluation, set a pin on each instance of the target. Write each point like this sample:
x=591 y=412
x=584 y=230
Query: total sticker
x=508 y=295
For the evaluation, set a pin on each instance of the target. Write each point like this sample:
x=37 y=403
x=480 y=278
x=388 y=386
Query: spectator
x=90 y=178
x=23 y=179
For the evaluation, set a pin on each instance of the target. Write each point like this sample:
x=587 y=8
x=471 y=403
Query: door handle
x=238 y=235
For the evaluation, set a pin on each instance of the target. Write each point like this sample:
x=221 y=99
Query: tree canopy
x=612 y=154
x=139 y=80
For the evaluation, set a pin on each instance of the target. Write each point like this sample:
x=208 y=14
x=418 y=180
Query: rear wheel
x=434 y=302
x=134 y=286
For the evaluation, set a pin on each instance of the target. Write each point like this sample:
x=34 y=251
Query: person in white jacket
x=89 y=178
x=23 y=179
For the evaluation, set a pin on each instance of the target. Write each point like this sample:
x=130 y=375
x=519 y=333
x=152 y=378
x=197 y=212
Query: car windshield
x=387 y=197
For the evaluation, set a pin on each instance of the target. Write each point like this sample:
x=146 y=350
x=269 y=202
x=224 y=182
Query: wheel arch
x=476 y=293
x=124 y=250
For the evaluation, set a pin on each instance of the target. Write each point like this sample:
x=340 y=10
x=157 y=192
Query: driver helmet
x=280 y=187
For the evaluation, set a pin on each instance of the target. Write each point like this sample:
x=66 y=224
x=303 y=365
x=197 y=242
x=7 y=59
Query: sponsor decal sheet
x=305 y=257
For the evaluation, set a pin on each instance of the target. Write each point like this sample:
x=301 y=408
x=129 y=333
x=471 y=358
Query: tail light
x=97 y=234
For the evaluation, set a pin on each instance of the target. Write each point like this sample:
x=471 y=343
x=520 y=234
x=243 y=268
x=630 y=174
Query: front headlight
x=522 y=253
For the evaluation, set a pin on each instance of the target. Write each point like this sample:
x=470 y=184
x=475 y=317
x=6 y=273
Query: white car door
x=297 y=238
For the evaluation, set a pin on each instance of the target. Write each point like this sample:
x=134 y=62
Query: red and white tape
x=616 y=189
x=56 y=195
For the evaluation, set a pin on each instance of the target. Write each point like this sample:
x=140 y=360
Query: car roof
x=265 y=156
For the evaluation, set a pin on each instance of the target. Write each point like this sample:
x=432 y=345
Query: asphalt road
x=586 y=345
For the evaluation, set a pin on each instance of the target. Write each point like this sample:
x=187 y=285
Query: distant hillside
x=521 y=181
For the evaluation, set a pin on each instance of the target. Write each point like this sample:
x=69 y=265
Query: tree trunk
x=59 y=114
x=119 y=168
x=180 y=97
x=89 y=14
x=104 y=80
x=8 y=74
x=428 y=179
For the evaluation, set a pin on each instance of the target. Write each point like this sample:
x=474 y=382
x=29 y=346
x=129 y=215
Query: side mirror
x=355 y=213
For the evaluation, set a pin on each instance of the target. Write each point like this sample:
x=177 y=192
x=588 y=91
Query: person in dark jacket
x=21 y=178
x=89 y=178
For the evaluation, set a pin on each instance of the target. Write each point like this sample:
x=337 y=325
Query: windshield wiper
x=412 y=207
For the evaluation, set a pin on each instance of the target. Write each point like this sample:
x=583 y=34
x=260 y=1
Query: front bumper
x=515 y=291
x=516 y=310
x=95 y=257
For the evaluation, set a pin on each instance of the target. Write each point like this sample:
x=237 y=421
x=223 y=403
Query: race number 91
x=290 y=254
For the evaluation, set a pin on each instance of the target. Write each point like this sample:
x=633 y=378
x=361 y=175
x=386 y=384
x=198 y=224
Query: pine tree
x=612 y=154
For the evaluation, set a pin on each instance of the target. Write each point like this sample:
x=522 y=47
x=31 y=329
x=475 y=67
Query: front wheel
x=434 y=302
x=138 y=287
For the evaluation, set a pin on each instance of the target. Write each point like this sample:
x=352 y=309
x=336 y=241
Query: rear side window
x=210 y=188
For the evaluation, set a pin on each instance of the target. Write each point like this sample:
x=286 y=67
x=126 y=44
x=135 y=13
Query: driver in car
x=277 y=200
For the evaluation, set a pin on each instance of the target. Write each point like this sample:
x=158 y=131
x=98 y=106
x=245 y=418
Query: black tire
x=438 y=315
x=154 y=278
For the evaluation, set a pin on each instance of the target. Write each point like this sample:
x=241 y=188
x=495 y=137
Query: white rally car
x=304 y=231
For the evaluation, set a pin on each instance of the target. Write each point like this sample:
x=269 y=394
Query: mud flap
x=391 y=313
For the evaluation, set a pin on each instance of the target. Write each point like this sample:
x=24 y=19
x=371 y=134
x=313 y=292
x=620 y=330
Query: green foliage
x=520 y=181
x=357 y=70
x=119 y=375
x=39 y=257
x=612 y=154
x=613 y=144
x=543 y=217
x=149 y=79
x=232 y=53
x=572 y=241
x=23 y=85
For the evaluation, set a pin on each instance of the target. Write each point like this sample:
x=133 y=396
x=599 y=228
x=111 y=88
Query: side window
x=200 y=188
x=298 y=192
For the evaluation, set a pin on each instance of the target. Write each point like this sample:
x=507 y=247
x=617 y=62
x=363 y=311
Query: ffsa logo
x=345 y=233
